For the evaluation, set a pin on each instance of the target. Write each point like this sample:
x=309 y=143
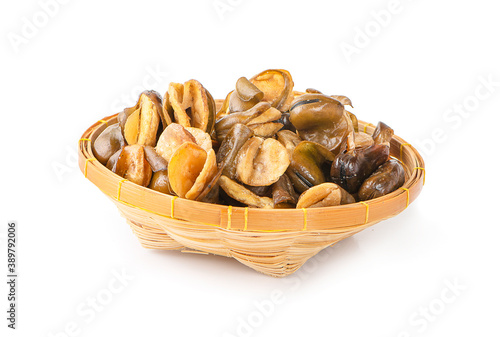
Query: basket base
x=154 y=238
x=274 y=254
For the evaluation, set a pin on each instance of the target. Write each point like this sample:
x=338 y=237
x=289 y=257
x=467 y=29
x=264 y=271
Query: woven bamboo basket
x=275 y=242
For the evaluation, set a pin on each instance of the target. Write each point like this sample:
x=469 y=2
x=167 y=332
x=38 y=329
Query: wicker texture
x=274 y=242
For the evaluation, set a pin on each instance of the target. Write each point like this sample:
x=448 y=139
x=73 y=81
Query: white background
x=89 y=58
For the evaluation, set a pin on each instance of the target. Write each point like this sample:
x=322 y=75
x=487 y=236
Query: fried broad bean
x=284 y=195
x=285 y=120
x=211 y=193
x=111 y=164
x=350 y=169
x=261 y=162
x=362 y=139
x=354 y=120
x=306 y=165
x=277 y=86
x=289 y=140
x=108 y=143
x=321 y=119
x=159 y=182
x=387 y=178
x=202 y=138
x=261 y=191
x=140 y=123
x=323 y=195
x=313 y=91
x=382 y=134
x=208 y=172
x=224 y=109
x=343 y=99
x=191 y=105
x=231 y=145
x=267 y=129
x=260 y=118
x=243 y=195
x=245 y=96
x=171 y=138
x=155 y=99
x=190 y=170
x=132 y=165
x=157 y=162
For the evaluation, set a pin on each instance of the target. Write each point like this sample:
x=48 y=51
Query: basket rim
x=254 y=219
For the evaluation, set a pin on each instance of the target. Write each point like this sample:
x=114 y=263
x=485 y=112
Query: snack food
x=267 y=146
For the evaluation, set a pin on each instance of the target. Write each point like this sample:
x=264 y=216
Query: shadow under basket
x=275 y=242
